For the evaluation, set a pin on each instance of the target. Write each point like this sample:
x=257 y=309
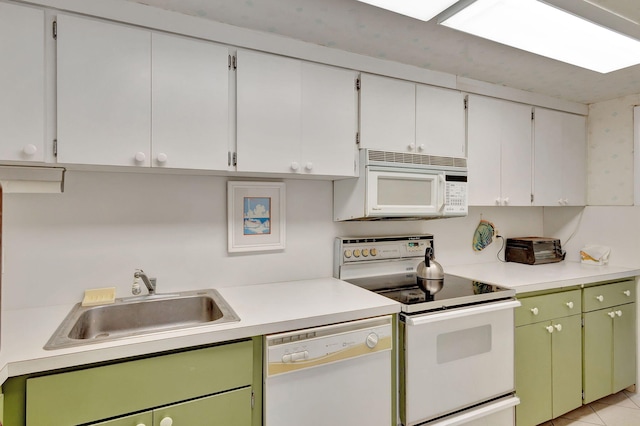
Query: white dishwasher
x=332 y=375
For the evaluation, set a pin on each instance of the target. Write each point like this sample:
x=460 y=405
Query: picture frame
x=256 y=216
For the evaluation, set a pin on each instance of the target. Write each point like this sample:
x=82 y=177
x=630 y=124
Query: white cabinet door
x=269 y=91
x=22 y=106
x=387 y=114
x=294 y=116
x=499 y=152
x=104 y=93
x=190 y=103
x=329 y=120
x=440 y=126
x=560 y=158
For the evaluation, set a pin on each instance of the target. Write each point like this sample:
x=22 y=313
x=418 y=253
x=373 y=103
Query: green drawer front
x=607 y=295
x=97 y=393
x=548 y=306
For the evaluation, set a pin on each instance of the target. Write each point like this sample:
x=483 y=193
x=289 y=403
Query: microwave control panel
x=455 y=195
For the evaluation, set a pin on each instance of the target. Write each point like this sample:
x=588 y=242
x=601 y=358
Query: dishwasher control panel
x=292 y=351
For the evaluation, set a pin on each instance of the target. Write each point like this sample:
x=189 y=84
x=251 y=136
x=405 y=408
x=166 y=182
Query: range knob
x=365 y=252
x=356 y=252
x=347 y=253
x=373 y=252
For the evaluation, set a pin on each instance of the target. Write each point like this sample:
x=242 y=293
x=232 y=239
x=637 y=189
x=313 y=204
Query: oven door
x=456 y=359
x=402 y=193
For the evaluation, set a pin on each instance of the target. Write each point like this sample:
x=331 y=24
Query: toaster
x=533 y=250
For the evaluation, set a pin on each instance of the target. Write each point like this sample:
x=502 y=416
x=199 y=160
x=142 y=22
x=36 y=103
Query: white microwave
x=395 y=185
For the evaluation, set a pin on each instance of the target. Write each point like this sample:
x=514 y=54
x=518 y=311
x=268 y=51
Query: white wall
x=105 y=225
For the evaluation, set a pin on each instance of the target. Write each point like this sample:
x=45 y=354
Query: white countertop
x=526 y=278
x=263 y=309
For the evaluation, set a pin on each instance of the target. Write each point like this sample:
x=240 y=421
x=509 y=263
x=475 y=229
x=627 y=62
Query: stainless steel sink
x=135 y=316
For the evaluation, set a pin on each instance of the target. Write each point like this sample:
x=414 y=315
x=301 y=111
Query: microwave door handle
x=441 y=191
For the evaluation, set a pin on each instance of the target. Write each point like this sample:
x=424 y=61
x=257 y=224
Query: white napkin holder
x=595 y=255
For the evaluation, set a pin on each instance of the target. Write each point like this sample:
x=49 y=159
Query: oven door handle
x=462 y=312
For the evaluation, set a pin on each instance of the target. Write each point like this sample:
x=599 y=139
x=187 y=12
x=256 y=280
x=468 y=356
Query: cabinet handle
x=600 y=298
x=167 y=421
x=627 y=293
x=140 y=157
x=570 y=305
x=558 y=327
x=162 y=158
x=535 y=311
x=30 y=149
x=295 y=165
x=611 y=314
x=549 y=329
x=619 y=313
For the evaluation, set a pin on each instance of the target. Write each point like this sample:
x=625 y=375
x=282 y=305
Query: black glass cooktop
x=455 y=292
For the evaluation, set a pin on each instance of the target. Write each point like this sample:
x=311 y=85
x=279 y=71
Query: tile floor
x=620 y=409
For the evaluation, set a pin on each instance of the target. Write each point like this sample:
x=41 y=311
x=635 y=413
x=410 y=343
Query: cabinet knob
x=140 y=157
x=565 y=201
x=411 y=147
x=558 y=327
x=167 y=421
x=30 y=149
x=549 y=329
x=421 y=147
x=600 y=298
x=619 y=313
x=505 y=202
x=498 y=201
x=308 y=166
x=627 y=293
x=570 y=305
x=141 y=424
x=611 y=314
x=560 y=201
x=162 y=158
x=295 y=166
x=535 y=311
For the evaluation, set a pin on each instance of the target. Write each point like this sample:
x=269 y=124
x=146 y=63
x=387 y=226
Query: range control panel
x=352 y=250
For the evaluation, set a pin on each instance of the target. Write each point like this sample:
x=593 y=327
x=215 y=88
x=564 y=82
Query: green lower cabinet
x=548 y=369
x=609 y=351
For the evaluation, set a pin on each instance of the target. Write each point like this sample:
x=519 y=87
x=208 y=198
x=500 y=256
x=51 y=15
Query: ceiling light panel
x=419 y=9
x=548 y=31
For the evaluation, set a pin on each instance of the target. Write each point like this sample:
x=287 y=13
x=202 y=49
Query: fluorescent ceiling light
x=548 y=31
x=419 y=9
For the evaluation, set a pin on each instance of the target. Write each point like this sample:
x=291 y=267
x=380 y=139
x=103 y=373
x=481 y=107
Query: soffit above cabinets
x=353 y=26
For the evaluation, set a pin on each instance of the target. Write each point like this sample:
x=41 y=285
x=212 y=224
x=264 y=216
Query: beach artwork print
x=257 y=215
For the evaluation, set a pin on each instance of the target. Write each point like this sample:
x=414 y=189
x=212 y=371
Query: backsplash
x=105 y=225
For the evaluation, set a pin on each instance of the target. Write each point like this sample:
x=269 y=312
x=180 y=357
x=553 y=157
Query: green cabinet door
x=597 y=354
x=566 y=364
x=624 y=347
x=231 y=408
x=140 y=419
x=533 y=373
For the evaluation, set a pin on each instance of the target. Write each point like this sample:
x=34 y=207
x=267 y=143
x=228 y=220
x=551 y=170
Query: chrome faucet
x=150 y=283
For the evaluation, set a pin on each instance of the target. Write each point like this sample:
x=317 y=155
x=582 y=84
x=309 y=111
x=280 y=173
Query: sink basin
x=135 y=316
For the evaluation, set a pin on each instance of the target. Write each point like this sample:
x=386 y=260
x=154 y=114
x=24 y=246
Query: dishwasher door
x=332 y=375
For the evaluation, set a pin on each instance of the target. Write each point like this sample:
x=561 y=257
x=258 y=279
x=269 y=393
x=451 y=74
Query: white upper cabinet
x=22 y=79
x=499 y=152
x=104 y=93
x=294 y=116
x=190 y=103
x=130 y=97
x=398 y=115
x=440 y=122
x=560 y=154
x=387 y=114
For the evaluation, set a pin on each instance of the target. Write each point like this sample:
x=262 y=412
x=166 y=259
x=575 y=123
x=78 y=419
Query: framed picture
x=256 y=216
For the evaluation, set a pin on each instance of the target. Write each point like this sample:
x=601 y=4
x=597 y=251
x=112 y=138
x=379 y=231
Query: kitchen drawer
x=96 y=393
x=548 y=306
x=607 y=295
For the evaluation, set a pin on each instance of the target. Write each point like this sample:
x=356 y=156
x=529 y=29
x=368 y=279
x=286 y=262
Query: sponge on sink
x=99 y=296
